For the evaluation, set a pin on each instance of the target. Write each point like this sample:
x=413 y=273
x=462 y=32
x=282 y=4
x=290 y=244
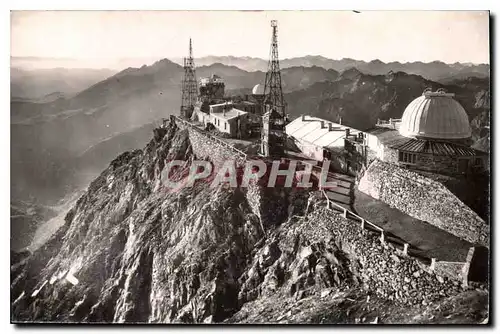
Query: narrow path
x=343 y=194
x=432 y=241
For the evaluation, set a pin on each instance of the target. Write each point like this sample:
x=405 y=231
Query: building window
x=225 y=125
x=478 y=162
x=409 y=158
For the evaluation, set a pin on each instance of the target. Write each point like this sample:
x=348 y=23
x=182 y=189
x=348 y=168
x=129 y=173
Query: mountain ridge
x=68 y=126
x=131 y=251
x=435 y=70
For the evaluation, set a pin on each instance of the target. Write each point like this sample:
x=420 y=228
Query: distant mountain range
x=49 y=84
x=114 y=64
x=57 y=136
x=435 y=70
x=360 y=99
x=61 y=141
x=30 y=82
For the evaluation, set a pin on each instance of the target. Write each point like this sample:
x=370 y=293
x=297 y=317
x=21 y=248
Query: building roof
x=393 y=139
x=214 y=79
x=435 y=148
x=379 y=131
x=309 y=129
x=228 y=103
x=435 y=115
x=387 y=136
x=230 y=114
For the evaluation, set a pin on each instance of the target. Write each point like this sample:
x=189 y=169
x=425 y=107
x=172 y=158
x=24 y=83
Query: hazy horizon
x=33 y=63
x=103 y=39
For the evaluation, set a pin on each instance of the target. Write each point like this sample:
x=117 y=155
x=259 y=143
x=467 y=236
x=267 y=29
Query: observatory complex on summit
x=433 y=135
x=261 y=115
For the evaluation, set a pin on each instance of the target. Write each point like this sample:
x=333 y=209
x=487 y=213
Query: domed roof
x=435 y=115
x=258 y=89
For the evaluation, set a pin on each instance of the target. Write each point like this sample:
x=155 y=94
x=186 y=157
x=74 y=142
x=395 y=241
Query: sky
x=99 y=38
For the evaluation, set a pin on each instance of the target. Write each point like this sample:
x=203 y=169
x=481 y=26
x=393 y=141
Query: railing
x=214 y=138
x=387 y=237
x=384 y=235
x=391 y=122
x=346 y=211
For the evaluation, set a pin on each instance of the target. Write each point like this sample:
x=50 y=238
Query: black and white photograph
x=274 y=167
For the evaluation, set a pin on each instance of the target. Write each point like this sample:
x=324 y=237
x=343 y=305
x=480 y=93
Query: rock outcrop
x=132 y=251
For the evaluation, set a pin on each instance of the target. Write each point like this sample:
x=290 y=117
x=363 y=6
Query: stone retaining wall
x=381 y=268
x=204 y=147
x=424 y=199
x=452 y=269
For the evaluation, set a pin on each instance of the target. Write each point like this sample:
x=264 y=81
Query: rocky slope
x=132 y=251
x=25 y=218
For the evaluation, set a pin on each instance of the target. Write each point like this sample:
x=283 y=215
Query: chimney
x=303 y=117
x=347 y=133
x=329 y=126
x=322 y=124
x=340 y=120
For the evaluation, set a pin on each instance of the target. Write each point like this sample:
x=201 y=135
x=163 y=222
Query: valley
x=61 y=143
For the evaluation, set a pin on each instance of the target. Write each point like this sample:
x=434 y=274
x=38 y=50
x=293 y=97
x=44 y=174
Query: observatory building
x=234 y=116
x=433 y=135
x=212 y=88
x=258 y=93
x=261 y=114
x=436 y=116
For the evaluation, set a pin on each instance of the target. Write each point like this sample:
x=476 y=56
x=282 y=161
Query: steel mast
x=189 y=85
x=273 y=135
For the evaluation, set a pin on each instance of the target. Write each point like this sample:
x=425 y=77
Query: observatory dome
x=435 y=115
x=258 y=89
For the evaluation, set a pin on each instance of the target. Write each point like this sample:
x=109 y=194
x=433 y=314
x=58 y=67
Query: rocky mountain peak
x=140 y=252
x=131 y=250
x=351 y=73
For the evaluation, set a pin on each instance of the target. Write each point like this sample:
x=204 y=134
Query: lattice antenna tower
x=189 y=85
x=273 y=137
x=273 y=94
